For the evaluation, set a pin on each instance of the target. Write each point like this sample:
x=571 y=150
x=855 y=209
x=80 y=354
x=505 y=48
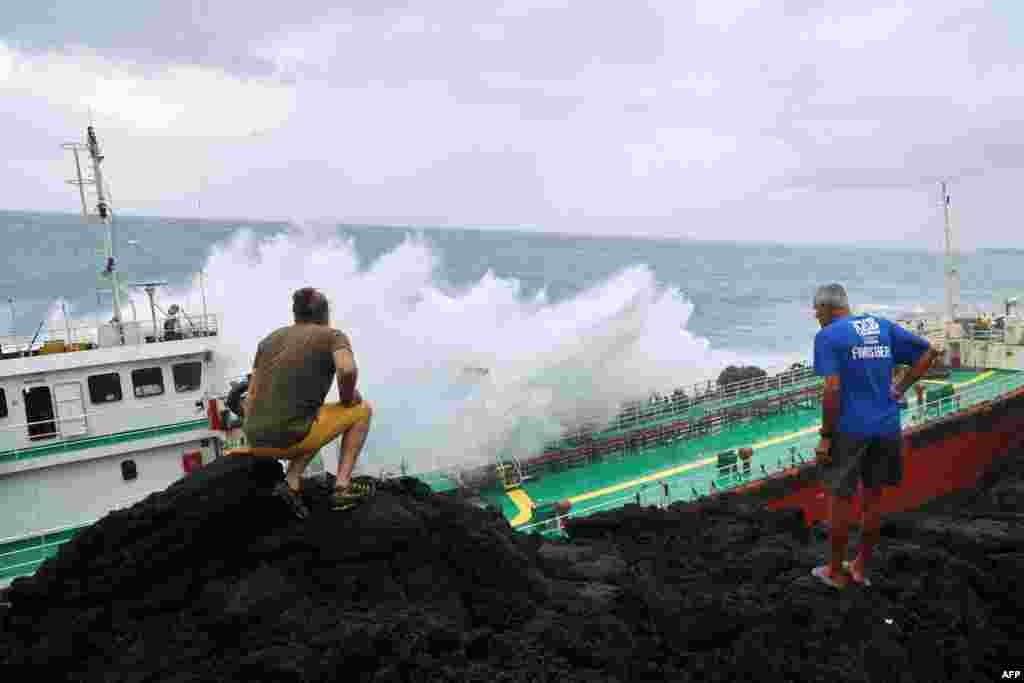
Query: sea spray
x=460 y=374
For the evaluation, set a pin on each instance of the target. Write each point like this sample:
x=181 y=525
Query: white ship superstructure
x=100 y=415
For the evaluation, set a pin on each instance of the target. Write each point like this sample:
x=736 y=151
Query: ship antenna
x=952 y=274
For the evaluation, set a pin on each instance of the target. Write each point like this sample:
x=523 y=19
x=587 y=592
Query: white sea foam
x=417 y=341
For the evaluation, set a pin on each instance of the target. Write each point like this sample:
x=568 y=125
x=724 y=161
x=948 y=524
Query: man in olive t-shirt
x=291 y=376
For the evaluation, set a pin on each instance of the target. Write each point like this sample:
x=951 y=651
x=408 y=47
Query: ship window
x=148 y=382
x=3 y=404
x=105 y=388
x=187 y=376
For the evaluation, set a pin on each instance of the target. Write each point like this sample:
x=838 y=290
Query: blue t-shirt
x=863 y=350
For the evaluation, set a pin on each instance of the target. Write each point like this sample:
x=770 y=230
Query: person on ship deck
x=285 y=416
x=861 y=438
x=172 y=324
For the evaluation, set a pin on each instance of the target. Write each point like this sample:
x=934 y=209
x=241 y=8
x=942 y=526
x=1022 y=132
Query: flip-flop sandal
x=864 y=581
x=292 y=498
x=819 y=572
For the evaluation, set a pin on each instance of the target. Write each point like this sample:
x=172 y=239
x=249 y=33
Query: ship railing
x=710 y=390
x=655 y=436
x=706 y=395
x=917 y=323
x=83 y=335
x=995 y=335
x=924 y=411
x=32 y=549
x=934 y=330
x=59 y=425
x=927 y=327
x=189 y=325
x=732 y=391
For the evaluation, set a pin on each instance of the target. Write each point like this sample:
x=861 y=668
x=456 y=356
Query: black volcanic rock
x=211 y=580
x=735 y=373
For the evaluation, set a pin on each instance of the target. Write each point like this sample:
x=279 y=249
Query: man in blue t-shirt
x=860 y=436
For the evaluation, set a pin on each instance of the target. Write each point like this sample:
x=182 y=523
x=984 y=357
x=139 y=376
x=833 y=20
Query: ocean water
x=568 y=327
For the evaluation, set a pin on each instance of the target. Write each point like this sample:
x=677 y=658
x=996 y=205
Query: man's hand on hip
x=823 y=453
x=356 y=400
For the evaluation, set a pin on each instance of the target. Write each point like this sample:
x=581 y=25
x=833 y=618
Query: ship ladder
x=510 y=474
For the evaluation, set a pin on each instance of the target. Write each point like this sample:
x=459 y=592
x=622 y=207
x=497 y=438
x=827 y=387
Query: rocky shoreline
x=211 y=580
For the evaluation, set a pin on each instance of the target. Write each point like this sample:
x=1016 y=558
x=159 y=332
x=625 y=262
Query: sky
x=798 y=121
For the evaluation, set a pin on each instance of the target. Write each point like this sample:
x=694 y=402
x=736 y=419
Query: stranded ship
x=98 y=416
x=757 y=437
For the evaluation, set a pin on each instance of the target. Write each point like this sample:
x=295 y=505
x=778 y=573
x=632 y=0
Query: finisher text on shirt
x=862 y=352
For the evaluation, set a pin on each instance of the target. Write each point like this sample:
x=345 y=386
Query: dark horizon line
x=895 y=245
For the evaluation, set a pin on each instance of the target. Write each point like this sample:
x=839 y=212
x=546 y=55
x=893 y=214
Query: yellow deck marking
x=984 y=375
x=684 y=468
x=786 y=437
x=524 y=506
x=642 y=480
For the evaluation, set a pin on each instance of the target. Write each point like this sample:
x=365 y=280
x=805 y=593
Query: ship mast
x=952 y=273
x=103 y=215
x=103 y=209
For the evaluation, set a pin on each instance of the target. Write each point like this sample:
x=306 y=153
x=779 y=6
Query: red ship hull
x=938 y=458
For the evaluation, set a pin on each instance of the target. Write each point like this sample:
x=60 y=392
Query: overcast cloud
x=722 y=119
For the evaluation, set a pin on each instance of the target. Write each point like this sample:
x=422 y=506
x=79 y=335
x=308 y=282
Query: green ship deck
x=689 y=468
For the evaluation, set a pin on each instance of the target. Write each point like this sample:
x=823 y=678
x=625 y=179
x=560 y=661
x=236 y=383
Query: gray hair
x=833 y=296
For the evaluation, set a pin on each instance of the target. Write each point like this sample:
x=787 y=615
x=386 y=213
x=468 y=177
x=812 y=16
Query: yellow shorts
x=331 y=421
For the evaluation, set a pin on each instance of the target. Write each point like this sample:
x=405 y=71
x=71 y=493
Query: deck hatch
x=70 y=409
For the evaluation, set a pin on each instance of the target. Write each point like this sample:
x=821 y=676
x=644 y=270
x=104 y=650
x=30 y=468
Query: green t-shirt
x=294 y=368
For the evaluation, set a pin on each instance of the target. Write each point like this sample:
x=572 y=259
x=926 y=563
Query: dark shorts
x=876 y=461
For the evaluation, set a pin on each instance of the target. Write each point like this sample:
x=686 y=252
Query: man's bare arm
x=918 y=371
x=830 y=405
x=347 y=373
x=251 y=391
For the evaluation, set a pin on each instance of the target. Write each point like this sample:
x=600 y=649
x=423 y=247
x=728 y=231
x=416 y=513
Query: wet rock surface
x=211 y=580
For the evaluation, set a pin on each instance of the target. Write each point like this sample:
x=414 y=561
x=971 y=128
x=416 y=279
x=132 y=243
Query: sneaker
x=861 y=579
x=358 y=490
x=821 y=573
x=292 y=498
